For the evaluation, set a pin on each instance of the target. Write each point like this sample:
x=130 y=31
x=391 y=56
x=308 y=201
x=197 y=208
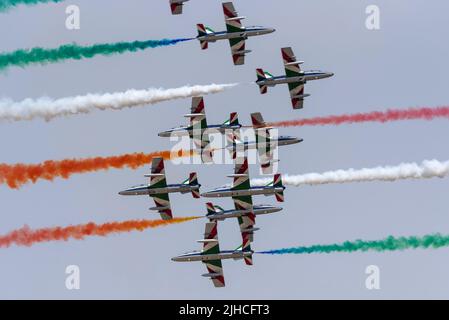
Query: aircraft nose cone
x=330 y=74
x=272 y=30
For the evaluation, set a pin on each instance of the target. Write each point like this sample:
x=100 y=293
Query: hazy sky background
x=402 y=65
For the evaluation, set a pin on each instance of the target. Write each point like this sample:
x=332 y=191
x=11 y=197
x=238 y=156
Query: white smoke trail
x=426 y=170
x=48 y=109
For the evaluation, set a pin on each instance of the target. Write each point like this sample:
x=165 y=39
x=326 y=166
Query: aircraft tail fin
x=210 y=208
x=234 y=142
x=257 y=120
x=234 y=119
x=193 y=182
x=261 y=75
x=277 y=183
x=202 y=31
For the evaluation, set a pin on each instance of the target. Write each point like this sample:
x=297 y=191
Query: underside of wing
x=247 y=221
x=297 y=94
x=163 y=206
x=238 y=50
x=215 y=273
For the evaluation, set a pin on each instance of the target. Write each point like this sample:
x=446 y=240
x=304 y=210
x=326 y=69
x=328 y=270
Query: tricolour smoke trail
x=25 y=57
x=27 y=237
x=391 y=243
x=426 y=170
x=48 y=109
x=375 y=116
x=16 y=175
x=7 y=4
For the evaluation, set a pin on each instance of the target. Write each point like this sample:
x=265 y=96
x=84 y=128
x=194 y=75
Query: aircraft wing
x=232 y=19
x=297 y=94
x=198 y=123
x=234 y=25
x=163 y=206
x=241 y=174
x=242 y=182
x=157 y=176
x=211 y=246
x=293 y=69
x=176 y=6
x=215 y=272
x=238 y=51
x=159 y=181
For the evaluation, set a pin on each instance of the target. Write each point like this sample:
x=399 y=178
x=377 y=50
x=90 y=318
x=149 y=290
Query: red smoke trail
x=16 y=175
x=27 y=237
x=376 y=116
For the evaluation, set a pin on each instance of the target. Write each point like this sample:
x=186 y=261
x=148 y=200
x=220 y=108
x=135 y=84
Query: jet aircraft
x=294 y=77
x=212 y=256
x=265 y=143
x=235 y=32
x=159 y=190
x=199 y=129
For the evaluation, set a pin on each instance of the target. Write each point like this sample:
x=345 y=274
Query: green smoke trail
x=24 y=57
x=7 y=4
x=391 y=243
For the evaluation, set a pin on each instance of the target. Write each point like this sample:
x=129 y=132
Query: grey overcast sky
x=401 y=65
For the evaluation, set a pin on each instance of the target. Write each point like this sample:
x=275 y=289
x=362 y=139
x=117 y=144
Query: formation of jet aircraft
x=199 y=131
x=265 y=143
x=294 y=77
x=235 y=32
x=242 y=194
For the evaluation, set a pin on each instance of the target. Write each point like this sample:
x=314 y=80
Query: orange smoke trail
x=16 y=175
x=27 y=237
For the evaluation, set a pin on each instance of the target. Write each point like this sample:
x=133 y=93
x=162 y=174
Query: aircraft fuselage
x=257 y=210
x=147 y=190
x=280 y=141
x=253 y=191
x=223 y=255
x=224 y=35
x=307 y=76
x=189 y=130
